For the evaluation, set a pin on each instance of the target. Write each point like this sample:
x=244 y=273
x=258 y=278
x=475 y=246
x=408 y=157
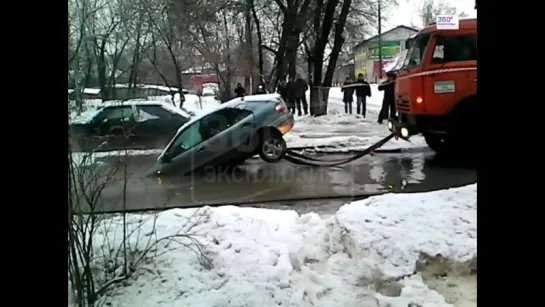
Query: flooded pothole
x=455 y=281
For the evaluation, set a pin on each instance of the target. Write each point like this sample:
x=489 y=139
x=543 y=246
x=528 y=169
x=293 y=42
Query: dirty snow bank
x=364 y=255
x=344 y=132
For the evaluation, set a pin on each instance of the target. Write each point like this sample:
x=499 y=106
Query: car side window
x=121 y=113
x=222 y=120
x=455 y=49
x=150 y=112
x=187 y=139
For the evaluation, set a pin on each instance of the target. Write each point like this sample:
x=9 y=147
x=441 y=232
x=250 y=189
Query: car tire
x=272 y=148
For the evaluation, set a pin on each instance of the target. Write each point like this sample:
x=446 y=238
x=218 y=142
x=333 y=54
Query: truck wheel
x=435 y=142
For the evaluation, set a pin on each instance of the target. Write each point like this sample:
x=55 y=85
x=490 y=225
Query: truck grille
x=403 y=106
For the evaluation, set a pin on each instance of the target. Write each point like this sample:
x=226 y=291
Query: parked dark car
x=129 y=124
x=239 y=129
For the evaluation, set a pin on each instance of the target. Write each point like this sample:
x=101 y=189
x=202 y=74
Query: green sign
x=389 y=49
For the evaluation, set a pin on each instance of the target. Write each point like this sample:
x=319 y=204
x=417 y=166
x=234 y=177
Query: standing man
x=300 y=95
x=239 y=90
x=348 y=96
x=291 y=89
x=388 y=102
x=282 y=89
x=362 y=92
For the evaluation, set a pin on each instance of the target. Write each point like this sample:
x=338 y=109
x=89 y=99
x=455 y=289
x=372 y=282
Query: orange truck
x=436 y=89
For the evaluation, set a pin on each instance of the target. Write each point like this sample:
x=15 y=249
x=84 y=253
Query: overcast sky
x=407 y=12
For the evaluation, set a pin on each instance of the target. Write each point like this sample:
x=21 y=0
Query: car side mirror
x=166 y=159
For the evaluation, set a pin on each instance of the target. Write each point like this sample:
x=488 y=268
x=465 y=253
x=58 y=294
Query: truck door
x=408 y=88
x=452 y=70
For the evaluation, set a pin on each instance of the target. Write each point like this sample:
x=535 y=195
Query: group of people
x=240 y=91
x=362 y=90
x=293 y=93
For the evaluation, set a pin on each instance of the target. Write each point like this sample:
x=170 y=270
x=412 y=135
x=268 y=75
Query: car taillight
x=281 y=108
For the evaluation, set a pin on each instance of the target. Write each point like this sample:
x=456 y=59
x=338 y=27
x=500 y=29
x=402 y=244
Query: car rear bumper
x=286 y=125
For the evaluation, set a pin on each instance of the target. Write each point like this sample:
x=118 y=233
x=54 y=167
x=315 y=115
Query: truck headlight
x=404 y=132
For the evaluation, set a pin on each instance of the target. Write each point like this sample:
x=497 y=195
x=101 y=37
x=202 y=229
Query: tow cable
x=298 y=158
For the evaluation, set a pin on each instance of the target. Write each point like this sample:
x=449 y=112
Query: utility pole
x=380 y=39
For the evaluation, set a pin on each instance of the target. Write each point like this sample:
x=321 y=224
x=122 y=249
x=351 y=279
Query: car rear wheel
x=272 y=149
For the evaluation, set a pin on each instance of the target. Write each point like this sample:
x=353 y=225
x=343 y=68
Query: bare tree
x=429 y=9
x=103 y=249
x=165 y=23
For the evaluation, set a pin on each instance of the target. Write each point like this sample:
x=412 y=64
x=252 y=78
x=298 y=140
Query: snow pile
x=334 y=117
x=328 y=143
x=193 y=103
x=364 y=255
x=342 y=132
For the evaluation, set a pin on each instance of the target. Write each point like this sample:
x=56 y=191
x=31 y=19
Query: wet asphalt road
x=415 y=170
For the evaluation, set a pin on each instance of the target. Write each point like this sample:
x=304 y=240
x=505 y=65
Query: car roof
x=233 y=103
x=163 y=104
x=87 y=116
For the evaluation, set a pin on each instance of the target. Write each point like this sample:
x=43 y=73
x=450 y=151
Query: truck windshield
x=416 y=53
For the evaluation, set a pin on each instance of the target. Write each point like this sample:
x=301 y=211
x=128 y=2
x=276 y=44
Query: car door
x=155 y=126
x=229 y=129
x=113 y=126
x=181 y=155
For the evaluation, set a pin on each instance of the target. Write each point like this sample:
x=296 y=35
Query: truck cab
x=436 y=89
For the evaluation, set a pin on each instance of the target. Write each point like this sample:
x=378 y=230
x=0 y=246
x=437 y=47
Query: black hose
x=291 y=157
x=321 y=149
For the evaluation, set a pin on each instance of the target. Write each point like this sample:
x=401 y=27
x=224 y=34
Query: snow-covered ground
x=345 y=131
x=390 y=250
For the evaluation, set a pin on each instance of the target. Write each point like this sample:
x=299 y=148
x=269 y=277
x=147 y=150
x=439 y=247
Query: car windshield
x=416 y=52
x=86 y=116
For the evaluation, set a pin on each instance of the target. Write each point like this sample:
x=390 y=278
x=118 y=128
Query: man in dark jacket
x=362 y=92
x=348 y=96
x=300 y=95
x=239 y=90
x=388 y=102
x=282 y=90
x=291 y=89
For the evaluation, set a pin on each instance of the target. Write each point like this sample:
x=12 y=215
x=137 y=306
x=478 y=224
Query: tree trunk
x=101 y=70
x=259 y=41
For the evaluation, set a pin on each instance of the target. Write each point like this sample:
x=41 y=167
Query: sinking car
x=236 y=131
x=134 y=124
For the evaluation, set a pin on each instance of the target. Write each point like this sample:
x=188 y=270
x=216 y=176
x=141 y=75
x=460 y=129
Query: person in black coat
x=282 y=90
x=300 y=95
x=348 y=96
x=239 y=90
x=388 y=102
x=291 y=94
x=362 y=92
